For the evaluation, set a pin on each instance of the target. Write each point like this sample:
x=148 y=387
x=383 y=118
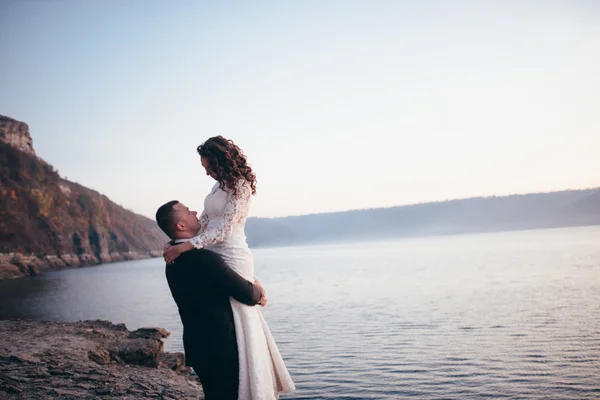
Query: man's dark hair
x=164 y=218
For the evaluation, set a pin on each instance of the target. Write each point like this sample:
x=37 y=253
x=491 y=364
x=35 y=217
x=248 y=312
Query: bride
x=263 y=374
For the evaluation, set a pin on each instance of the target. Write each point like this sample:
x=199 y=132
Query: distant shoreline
x=423 y=236
x=568 y=208
x=16 y=265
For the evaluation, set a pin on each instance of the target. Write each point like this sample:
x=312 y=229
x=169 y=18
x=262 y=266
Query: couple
x=210 y=271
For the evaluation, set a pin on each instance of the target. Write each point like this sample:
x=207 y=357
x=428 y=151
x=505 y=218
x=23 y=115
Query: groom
x=201 y=284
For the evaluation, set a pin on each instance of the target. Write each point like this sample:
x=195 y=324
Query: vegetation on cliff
x=48 y=222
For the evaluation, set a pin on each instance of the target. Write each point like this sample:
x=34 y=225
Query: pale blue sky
x=338 y=104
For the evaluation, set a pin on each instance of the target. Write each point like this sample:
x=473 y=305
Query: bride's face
x=206 y=166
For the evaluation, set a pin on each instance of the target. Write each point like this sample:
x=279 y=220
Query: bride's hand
x=171 y=253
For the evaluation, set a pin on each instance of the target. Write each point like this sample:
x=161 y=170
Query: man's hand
x=263 y=294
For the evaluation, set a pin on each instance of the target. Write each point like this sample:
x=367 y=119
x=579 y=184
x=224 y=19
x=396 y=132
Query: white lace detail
x=203 y=222
x=233 y=216
x=263 y=374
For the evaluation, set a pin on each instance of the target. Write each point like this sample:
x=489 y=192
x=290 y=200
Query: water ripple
x=512 y=315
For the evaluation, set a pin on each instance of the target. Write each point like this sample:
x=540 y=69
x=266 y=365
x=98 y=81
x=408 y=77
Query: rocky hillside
x=47 y=222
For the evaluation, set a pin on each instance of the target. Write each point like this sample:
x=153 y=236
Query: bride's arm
x=236 y=209
x=203 y=220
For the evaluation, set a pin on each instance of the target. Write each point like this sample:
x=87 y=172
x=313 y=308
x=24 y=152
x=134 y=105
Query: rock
x=106 y=258
x=51 y=262
x=146 y=352
x=89 y=360
x=85 y=386
x=14 y=265
x=95 y=377
x=99 y=356
x=101 y=325
x=156 y=253
x=103 y=391
x=19 y=378
x=16 y=134
x=10 y=271
x=66 y=392
x=150 y=333
x=71 y=260
x=23 y=358
x=175 y=362
x=116 y=257
x=88 y=259
x=10 y=389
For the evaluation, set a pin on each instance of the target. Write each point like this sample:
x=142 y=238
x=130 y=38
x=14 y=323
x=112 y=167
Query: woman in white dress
x=263 y=374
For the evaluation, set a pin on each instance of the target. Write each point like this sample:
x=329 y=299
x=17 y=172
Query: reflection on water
x=134 y=292
x=503 y=315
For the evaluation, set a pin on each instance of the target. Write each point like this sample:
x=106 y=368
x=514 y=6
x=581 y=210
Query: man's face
x=186 y=219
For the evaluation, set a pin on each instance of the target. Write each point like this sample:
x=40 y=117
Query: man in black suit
x=201 y=284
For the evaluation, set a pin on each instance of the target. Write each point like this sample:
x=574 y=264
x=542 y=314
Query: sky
x=338 y=104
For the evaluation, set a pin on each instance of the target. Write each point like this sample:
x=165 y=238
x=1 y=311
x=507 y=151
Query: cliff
x=16 y=134
x=47 y=222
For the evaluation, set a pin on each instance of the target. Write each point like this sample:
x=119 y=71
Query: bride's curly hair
x=228 y=162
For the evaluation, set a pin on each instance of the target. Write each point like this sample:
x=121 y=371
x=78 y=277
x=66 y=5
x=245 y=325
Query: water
x=502 y=315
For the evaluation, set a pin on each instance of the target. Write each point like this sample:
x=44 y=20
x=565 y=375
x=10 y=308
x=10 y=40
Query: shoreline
x=90 y=359
x=17 y=265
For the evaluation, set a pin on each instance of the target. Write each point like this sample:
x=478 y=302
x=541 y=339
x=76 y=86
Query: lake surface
x=500 y=315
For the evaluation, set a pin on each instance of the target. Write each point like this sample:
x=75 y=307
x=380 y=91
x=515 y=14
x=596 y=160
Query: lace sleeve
x=236 y=211
x=203 y=220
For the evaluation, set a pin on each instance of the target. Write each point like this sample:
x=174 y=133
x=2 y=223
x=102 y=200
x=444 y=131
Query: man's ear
x=180 y=226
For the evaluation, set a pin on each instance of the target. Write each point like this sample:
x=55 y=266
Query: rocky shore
x=89 y=360
x=15 y=265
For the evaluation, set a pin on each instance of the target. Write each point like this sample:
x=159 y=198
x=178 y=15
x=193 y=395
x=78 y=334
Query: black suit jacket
x=201 y=284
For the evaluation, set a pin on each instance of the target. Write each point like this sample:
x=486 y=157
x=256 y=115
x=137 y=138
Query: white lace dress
x=263 y=374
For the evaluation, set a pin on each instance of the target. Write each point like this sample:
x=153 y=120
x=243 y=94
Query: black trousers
x=220 y=380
